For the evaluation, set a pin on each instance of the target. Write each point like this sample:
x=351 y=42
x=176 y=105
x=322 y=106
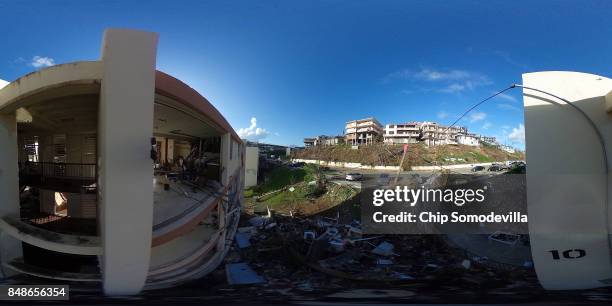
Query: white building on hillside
x=468 y=140
x=363 y=131
x=506 y=148
x=402 y=133
x=433 y=134
x=488 y=139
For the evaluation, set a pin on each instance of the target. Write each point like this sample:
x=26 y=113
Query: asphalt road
x=337 y=175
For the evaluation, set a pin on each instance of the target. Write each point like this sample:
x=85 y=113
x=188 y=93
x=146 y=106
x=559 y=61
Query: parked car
x=516 y=168
x=354 y=176
x=297 y=165
x=495 y=167
x=477 y=168
x=384 y=179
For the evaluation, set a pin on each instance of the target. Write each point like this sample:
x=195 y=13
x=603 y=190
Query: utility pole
x=401 y=163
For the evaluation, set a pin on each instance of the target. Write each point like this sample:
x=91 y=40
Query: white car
x=354 y=176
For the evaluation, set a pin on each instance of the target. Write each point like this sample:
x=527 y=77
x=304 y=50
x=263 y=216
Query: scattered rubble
x=319 y=254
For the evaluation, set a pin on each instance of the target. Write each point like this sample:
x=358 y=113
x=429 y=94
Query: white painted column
x=125 y=166
x=251 y=166
x=10 y=248
x=568 y=190
x=225 y=158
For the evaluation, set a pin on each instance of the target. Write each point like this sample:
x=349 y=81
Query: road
x=337 y=175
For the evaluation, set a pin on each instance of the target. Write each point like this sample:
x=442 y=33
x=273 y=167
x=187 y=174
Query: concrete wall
x=72 y=73
x=11 y=98
x=10 y=248
x=568 y=188
x=125 y=167
x=127 y=77
x=251 y=166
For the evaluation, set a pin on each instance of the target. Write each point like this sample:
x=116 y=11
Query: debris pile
x=320 y=254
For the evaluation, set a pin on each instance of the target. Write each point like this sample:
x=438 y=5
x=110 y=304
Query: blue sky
x=304 y=68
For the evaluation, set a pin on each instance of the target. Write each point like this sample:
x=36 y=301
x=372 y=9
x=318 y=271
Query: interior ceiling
x=169 y=121
x=78 y=113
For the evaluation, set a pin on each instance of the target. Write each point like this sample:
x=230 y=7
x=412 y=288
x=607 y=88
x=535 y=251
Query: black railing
x=58 y=170
x=63 y=224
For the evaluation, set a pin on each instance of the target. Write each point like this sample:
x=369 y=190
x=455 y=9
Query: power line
x=479 y=103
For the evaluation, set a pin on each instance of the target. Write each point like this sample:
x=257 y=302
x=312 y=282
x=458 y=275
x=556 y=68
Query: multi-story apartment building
x=310 y=142
x=506 y=148
x=402 y=133
x=433 y=134
x=115 y=175
x=363 y=131
x=323 y=140
x=488 y=139
x=367 y=131
x=333 y=140
x=468 y=140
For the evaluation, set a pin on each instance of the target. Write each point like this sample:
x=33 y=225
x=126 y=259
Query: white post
x=225 y=158
x=125 y=167
x=10 y=248
x=568 y=189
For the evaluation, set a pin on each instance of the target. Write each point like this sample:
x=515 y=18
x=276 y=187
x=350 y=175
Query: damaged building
x=115 y=175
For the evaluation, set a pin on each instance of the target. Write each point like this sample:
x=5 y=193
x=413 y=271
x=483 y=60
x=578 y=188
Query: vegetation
x=283 y=176
x=301 y=190
x=418 y=154
x=306 y=198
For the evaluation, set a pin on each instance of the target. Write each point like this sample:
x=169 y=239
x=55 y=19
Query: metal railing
x=64 y=224
x=58 y=170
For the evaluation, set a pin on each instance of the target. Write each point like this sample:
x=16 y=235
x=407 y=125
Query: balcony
x=68 y=177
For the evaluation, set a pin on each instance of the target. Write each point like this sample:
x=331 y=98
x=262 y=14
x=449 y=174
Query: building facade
x=433 y=134
x=363 y=131
x=506 y=148
x=101 y=163
x=488 y=139
x=323 y=140
x=251 y=166
x=402 y=133
x=309 y=142
x=468 y=140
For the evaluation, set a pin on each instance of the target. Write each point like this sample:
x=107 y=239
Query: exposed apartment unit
x=369 y=130
x=468 y=140
x=333 y=140
x=488 y=139
x=323 y=140
x=363 y=131
x=508 y=149
x=115 y=175
x=309 y=142
x=433 y=134
x=402 y=133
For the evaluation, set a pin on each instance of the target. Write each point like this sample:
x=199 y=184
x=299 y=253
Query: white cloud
x=477 y=116
x=443 y=115
x=3 y=83
x=440 y=75
x=487 y=125
x=453 y=88
x=508 y=59
x=253 y=133
x=449 y=80
x=507 y=106
x=42 y=61
x=507 y=97
x=517 y=134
